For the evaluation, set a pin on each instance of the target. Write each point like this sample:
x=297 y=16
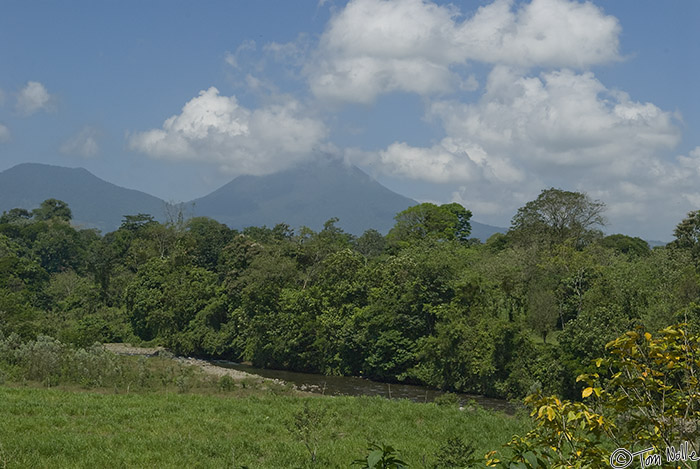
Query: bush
x=49 y=361
x=226 y=383
x=455 y=453
x=447 y=399
x=380 y=457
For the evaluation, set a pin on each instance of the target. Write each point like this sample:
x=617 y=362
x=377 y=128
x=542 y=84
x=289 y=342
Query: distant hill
x=484 y=232
x=308 y=195
x=95 y=203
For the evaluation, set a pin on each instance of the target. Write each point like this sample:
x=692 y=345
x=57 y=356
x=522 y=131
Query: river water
x=351 y=386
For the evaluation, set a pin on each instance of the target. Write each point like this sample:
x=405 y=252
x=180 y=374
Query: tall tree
x=52 y=208
x=687 y=234
x=557 y=216
x=445 y=222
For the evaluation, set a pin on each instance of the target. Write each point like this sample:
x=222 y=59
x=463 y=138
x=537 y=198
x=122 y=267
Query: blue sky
x=481 y=102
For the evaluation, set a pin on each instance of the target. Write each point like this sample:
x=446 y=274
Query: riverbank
x=312 y=383
x=203 y=365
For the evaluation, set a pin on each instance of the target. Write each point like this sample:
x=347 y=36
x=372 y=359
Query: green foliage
x=642 y=394
x=429 y=221
x=307 y=425
x=18 y=216
x=50 y=362
x=175 y=304
x=543 y=311
x=626 y=245
x=687 y=234
x=206 y=240
x=371 y=243
x=524 y=311
x=649 y=386
x=52 y=208
x=447 y=398
x=62 y=428
x=455 y=452
x=557 y=216
x=135 y=223
x=226 y=383
x=380 y=457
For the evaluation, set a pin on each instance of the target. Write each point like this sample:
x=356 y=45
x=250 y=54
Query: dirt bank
x=206 y=367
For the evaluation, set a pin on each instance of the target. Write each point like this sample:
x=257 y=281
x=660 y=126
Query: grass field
x=56 y=428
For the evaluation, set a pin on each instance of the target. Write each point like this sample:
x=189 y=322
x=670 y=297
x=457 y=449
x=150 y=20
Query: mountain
x=307 y=195
x=95 y=203
x=483 y=231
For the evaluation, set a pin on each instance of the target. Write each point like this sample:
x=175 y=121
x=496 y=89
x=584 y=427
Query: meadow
x=62 y=428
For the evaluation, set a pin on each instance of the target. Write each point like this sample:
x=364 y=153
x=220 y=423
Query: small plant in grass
x=307 y=425
x=226 y=383
x=182 y=383
x=380 y=457
x=455 y=452
x=144 y=374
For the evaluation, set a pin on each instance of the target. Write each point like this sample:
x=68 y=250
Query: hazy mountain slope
x=308 y=195
x=95 y=203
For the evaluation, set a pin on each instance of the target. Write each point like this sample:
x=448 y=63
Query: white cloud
x=4 y=134
x=83 y=144
x=561 y=129
x=435 y=164
x=542 y=119
x=452 y=160
x=217 y=129
x=375 y=46
x=537 y=125
x=560 y=118
x=378 y=46
x=32 y=98
x=545 y=33
x=233 y=58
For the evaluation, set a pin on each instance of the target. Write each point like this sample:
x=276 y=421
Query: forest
x=424 y=304
x=527 y=313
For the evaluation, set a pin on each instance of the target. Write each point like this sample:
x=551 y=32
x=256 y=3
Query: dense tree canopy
x=527 y=310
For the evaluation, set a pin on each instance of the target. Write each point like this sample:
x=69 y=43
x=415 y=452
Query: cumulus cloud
x=32 y=98
x=544 y=33
x=559 y=128
x=83 y=144
x=453 y=160
x=556 y=120
x=541 y=118
x=217 y=129
x=378 y=46
x=4 y=134
x=560 y=118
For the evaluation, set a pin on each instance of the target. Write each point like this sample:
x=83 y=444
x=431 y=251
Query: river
x=351 y=386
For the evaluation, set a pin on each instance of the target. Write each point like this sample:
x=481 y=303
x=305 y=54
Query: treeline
x=427 y=304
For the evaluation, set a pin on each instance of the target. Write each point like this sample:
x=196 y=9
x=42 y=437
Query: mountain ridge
x=26 y=185
x=306 y=195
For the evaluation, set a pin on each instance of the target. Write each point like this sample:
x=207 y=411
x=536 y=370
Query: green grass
x=59 y=428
